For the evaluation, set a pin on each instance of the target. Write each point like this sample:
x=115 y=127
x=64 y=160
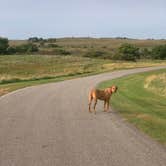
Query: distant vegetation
x=128 y=52
x=159 y=52
x=5 y=48
x=120 y=48
x=3 y=45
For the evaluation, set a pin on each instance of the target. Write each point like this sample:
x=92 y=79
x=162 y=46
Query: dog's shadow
x=101 y=112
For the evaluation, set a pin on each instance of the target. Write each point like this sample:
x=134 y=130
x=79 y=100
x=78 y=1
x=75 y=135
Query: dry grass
x=4 y=91
x=36 y=69
x=105 y=42
x=17 y=42
x=80 y=46
x=156 y=83
x=25 y=67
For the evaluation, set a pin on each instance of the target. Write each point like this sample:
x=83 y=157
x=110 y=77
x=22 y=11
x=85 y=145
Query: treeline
x=129 y=52
x=33 y=45
x=36 y=39
x=5 y=48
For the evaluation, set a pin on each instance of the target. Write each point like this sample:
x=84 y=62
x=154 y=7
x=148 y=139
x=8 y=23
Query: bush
x=41 y=44
x=4 y=43
x=146 y=53
x=11 y=50
x=26 y=48
x=61 y=52
x=35 y=39
x=128 y=52
x=159 y=52
x=94 y=54
x=51 y=45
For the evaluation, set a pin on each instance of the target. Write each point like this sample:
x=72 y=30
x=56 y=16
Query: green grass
x=142 y=105
x=18 y=71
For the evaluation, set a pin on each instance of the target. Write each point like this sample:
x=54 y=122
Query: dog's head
x=114 y=88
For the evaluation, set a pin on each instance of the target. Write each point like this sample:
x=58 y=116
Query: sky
x=21 y=19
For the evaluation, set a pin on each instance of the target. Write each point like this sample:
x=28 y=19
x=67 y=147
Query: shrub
x=128 y=52
x=11 y=50
x=61 y=52
x=51 y=45
x=159 y=52
x=94 y=54
x=145 y=53
x=4 y=43
x=42 y=44
x=26 y=48
x=35 y=39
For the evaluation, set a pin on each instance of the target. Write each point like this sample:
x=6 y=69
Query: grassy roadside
x=19 y=71
x=141 y=99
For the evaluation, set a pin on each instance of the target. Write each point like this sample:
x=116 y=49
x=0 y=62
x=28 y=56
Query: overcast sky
x=21 y=19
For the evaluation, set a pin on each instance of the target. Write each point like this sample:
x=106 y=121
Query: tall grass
x=36 y=68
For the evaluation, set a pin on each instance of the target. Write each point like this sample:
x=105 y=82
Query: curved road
x=49 y=125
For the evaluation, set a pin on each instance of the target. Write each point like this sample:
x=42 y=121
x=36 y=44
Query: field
x=82 y=46
x=51 y=63
x=141 y=99
x=18 y=71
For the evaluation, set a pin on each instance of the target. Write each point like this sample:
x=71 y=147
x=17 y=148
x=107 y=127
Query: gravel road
x=49 y=125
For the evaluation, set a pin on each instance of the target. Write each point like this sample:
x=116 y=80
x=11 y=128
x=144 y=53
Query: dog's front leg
x=95 y=102
x=90 y=102
x=105 y=106
x=108 y=104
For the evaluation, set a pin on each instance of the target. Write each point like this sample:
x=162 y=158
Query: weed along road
x=49 y=125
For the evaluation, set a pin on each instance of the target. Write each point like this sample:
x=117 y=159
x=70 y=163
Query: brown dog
x=101 y=95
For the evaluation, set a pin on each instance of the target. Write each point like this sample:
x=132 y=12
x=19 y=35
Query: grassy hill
x=82 y=46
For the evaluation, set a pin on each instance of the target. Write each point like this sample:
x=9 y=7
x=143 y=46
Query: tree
x=128 y=52
x=4 y=43
x=35 y=39
x=159 y=52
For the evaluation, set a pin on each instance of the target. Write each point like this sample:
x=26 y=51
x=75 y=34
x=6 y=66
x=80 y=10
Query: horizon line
x=85 y=37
